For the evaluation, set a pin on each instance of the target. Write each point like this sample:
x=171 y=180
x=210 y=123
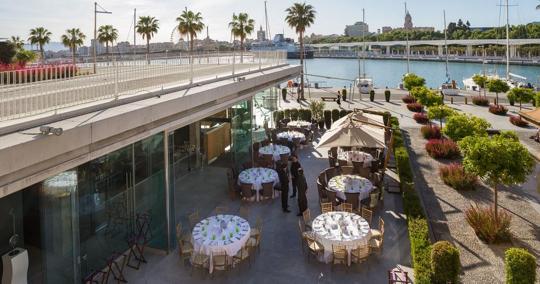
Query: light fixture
x=46 y=130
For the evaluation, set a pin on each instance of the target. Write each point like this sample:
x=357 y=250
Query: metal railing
x=47 y=89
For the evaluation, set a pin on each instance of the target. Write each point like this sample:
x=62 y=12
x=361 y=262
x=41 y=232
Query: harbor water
x=388 y=73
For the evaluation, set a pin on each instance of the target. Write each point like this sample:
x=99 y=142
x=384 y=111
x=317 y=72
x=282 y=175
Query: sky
x=332 y=16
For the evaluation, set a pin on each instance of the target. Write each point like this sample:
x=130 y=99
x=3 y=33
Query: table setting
x=340 y=228
x=220 y=232
x=289 y=135
x=275 y=150
x=356 y=156
x=258 y=176
x=299 y=124
x=350 y=184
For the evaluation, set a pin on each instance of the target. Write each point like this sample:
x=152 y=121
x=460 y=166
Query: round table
x=289 y=135
x=275 y=150
x=258 y=176
x=350 y=184
x=356 y=156
x=221 y=232
x=340 y=228
x=299 y=124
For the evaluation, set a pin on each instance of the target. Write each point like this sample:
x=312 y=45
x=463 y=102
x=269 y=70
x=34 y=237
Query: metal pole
x=507 y=42
x=134 y=32
x=407 y=49
x=95 y=34
x=446 y=47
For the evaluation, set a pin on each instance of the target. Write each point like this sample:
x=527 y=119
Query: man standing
x=302 y=192
x=284 y=183
x=295 y=165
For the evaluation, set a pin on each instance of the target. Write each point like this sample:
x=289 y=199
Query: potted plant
x=317 y=112
x=328 y=119
x=284 y=94
x=372 y=95
x=344 y=93
x=387 y=95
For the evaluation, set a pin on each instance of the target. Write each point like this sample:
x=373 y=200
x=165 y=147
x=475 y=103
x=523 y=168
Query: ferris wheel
x=175 y=35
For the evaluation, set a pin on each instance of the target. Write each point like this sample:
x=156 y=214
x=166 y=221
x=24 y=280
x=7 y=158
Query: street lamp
x=96 y=11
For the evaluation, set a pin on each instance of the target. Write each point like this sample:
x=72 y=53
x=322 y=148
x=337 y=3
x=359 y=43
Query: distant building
x=358 y=29
x=408 y=21
x=99 y=47
x=408 y=25
x=123 y=47
x=261 y=34
x=84 y=51
x=386 y=29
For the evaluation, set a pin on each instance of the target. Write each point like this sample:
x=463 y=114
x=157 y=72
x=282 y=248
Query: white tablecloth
x=221 y=232
x=356 y=156
x=289 y=135
x=351 y=184
x=340 y=228
x=274 y=150
x=258 y=176
x=299 y=123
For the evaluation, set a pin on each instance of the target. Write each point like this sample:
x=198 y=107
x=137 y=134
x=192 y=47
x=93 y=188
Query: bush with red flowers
x=421 y=117
x=518 y=121
x=20 y=74
x=498 y=109
x=454 y=175
x=442 y=148
x=408 y=99
x=415 y=107
x=431 y=132
x=480 y=101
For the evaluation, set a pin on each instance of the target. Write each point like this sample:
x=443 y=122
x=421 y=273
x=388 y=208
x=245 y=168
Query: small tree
x=497 y=160
x=497 y=86
x=7 y=52
x=459 y=126
x=445 y=263
x=520 y=95
x=317 y=109
x=426 y=96
x=481 y=81
x=440 y=112
x=411 y=80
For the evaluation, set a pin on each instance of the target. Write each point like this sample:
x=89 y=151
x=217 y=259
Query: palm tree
x=300 y=17
x=73 y=38
x=107 y=34
x=17 y=42
x=147 y=27
x=190 y=24
x=241 y=26
x=40 y=36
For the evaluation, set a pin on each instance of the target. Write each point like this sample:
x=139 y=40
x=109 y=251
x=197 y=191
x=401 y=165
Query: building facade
x=356 y=30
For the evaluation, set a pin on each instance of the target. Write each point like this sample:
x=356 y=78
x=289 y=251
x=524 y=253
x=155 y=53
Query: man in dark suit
x=295 y=165
x=302 y=192
x=281 y=169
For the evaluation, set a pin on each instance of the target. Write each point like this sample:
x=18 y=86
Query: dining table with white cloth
x=356 y=156
x=342 y=184
x=275 y=150
x=227 y=233
x=258 y=176
x=340 y=228
x=289 y=135
x=299 y=124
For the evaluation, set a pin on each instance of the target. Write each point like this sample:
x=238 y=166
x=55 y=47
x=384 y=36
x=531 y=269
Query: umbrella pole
x=389 y=149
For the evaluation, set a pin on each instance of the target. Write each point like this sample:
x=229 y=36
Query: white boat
x=450 y=87
x=365 y=85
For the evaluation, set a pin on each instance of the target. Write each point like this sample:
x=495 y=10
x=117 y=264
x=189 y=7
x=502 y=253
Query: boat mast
x=364 y=45
x=266 y=20
x=446 y=47
x=507 y=42
x=407 y=49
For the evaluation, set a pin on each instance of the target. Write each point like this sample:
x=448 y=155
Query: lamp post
x=96 y=11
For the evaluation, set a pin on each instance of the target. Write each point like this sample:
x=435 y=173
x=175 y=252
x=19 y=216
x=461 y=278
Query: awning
x=533 y=116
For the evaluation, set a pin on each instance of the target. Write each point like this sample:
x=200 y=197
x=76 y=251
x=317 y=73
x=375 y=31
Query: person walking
x=284 y=184
x=302 y=192
x=295 y=165
x=338 y=101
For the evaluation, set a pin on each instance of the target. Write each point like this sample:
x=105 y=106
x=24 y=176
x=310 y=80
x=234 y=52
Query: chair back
x=330 y=173
x=339 y=252
x=346 y=207
x=268 y=190
x=367 y=214
x=221 y=210
x=362 y=252
x=296 y=141
x=353 y=199
x=375 y=165
x=284 y=158
x=326 y=207
x=179 y=230
x=256 y=146
x=381 y=225
x=373 y=199
x=301 y=227
x=347 y=170
x=246 y=189
x=322 y=178
x=342 y=163
x=331 y=161
x=306 y=215
x=364 y=172
x=321 y=190
x=194 y=218
x=332 y=197
x=220 y=260
x=269 y=158
x=332 y=152
x=357 y=166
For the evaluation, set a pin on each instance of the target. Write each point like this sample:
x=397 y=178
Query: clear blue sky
x=332 y=16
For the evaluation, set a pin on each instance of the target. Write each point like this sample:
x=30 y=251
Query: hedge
x=278 y=115
x=342 y=113
x=327 y=119
x=520 y=266
x=445 y=263
x=335 y=115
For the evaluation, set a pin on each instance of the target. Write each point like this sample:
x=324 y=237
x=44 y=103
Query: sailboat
x=364 y=84
x=448 y=88
x=513 y=80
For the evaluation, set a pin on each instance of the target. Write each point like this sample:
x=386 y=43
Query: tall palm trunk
x=301 y=95
x=42 y=54
x=241 y=49
x=73 y=56
x=190 y=48
x=148 y=49
x=107 y=51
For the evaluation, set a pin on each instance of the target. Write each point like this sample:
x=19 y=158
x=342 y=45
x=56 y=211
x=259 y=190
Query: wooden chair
x=180 y=234
x=268 y=158
x=367 y=214
x=342 y=163
x=373 y=200
x=185 y=250
x=332 y=197
x=248 y=193
x=330 y=173
x=326 y=207
x=378 y=234
x=284 y=158
x=220 y=260
x=332 y=152
x=254 y=243
x=257 y=229
x=353 y=199
x=322 y=193
x=357 y=166
x=306 y=215
x=339 y=255
x=347 y=170
x=376 y=245
x=302 y=230
x=364 y=172
x=199 y=261
x=194 y=218
x=268 y=190
x=332 y=161
x=221 y=210
x=244 y=212
x=241 y=255
x=322 y=178
x=346 y=207
x=360 y=254
x=314 y=248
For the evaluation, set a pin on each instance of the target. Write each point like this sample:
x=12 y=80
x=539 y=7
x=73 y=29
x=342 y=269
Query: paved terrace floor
x=280 y=259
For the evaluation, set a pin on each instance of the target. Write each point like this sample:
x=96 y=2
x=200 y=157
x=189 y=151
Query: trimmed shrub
x=431 y=132
x=402 y=163
x=460 y=126
x=498 y=109
x=518 y=121
x=415 y=107
x=386 y=118
x=387 y=95
x=420 y=249
x=278 y=115
x=411 y=202
x=454 y=175
x=480 y=101
x=327 y=118
x=421 y=117
x=372 y=95
x=342 y=113
x=335 y=115
x=520 y=266
x=442 y=148
x=294 y=114
x=486 y=227
x=287 y=113
x=445 y=263
x=408 y=99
